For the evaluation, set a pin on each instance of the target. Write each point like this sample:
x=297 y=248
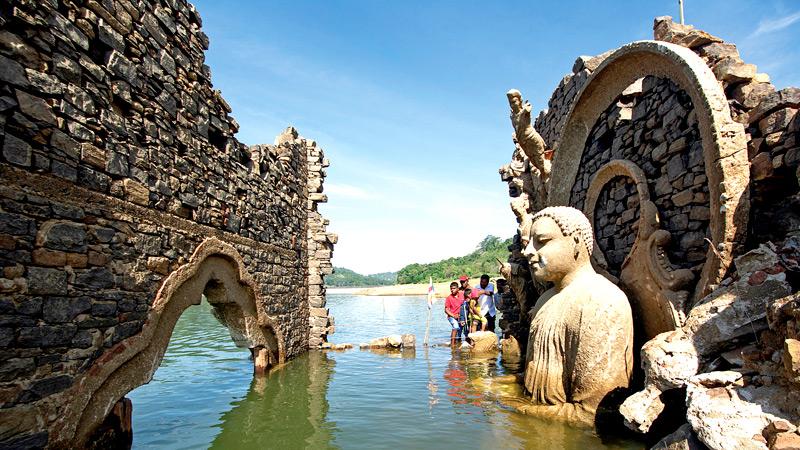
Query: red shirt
x=453 y=303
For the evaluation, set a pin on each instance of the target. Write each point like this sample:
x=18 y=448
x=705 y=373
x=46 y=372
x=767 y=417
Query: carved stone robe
x=580 y=348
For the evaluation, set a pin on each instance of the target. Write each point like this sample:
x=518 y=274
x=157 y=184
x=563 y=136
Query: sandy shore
x=442 y=289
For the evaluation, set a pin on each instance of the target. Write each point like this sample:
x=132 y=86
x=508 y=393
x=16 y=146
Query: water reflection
x=285 y=409
x=432 y=397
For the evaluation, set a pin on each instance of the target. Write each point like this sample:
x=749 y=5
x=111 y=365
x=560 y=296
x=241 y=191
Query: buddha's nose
x=529 y=252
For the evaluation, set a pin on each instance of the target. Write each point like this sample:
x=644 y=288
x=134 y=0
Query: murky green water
x=204 y=394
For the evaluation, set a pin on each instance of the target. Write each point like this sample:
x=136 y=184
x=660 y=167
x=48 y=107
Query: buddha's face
x=551 y=255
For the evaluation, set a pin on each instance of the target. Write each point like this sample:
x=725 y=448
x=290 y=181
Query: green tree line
x=342 y=277
x=482 y=260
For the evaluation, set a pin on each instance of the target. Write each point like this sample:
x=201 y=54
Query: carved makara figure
x=580 y=346
x=531 y=142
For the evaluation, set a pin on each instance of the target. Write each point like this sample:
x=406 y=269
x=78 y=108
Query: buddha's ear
x=577 y=240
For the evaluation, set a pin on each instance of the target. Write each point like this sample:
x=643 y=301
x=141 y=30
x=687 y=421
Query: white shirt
x=487 y=301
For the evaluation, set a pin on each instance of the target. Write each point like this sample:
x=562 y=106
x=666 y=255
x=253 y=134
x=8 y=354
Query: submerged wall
x=118 y=161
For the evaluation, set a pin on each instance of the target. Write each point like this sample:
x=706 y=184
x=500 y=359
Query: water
x=204 y=394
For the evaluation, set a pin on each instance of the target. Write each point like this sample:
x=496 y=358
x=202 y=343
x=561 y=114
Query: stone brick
x=158 y=264
x=683 y=198
x=16 y=151
x=117 y=164
x=95 y=278
x=46 y=336
x=35 y=107
x=761 y=166
x=46 y=281
x=675 y=168
x=12 y=72
x=136 y=192
x=64 y=309
x=733 y=70
x=65 y=236
x=93 y=156
x=48 y=386
x=777 y=121
x=15 y=224
x=104 y=309
x=50 y=258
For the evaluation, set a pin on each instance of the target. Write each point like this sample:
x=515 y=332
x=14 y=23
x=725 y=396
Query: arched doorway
x=215 y=270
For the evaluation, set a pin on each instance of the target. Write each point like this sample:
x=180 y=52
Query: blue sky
x=407 y=98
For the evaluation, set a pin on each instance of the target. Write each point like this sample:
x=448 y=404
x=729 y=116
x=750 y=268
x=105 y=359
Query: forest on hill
x=343 y=277
x=482 y=260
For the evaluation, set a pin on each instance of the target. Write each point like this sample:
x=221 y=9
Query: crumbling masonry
x=125 y=198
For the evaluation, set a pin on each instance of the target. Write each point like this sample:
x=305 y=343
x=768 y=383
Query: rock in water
x=510 y=348
x=395 y=340
x=483 y=341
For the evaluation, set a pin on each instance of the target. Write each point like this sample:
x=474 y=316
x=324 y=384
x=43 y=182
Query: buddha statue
x=580 y=345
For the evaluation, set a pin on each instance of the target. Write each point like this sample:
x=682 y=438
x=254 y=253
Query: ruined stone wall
x=654 y=126
x=320 y=250
x=118 y=161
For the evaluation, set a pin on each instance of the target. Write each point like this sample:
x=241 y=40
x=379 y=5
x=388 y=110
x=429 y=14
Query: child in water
x=475 y=316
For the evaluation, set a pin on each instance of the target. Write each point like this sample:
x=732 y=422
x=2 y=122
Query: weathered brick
x=46 y=281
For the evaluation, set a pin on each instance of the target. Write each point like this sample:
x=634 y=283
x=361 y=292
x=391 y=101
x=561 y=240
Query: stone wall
x=653 y=125
x=118 y=161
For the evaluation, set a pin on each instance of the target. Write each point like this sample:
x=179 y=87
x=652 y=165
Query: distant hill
x=480 y=261
x=342 y=277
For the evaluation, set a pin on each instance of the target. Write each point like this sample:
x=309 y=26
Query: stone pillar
x=320 y=249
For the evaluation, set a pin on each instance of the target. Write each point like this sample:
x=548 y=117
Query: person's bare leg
x=483 y=325
x=452 y=338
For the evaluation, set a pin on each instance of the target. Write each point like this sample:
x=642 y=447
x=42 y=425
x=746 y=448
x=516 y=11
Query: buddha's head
x=557 y=240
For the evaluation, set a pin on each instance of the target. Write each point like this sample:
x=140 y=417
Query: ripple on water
x=204 y=394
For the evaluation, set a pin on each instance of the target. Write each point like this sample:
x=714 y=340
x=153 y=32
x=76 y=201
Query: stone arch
x=723 y=140
x=216 y=270
x=655 y=288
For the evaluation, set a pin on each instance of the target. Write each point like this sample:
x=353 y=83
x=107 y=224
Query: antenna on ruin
x=680 y=5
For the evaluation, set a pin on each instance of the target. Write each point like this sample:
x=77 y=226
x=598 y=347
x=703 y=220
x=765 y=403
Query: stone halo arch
x=613 y=169
x=724 y=141
x=133 y=361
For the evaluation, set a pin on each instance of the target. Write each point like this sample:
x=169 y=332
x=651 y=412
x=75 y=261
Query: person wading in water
x=452 y=308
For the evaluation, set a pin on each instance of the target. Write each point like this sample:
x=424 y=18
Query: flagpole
x=431 y=297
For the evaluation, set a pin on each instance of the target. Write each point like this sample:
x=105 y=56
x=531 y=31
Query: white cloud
x=347 y=191
x=766 y=26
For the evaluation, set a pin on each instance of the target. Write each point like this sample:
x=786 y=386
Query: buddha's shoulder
x=604 y=291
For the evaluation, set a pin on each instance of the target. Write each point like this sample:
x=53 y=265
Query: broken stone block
x=738 y=310
x=791 y=358
x=664 y=29
x=730 y=416
x=641 y=409
x=750 y=95
x=732 y=70
x=683 y=438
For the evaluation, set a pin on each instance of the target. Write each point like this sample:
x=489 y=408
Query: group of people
x=470 y=309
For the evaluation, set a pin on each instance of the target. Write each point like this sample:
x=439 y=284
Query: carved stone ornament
x=656 y=287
